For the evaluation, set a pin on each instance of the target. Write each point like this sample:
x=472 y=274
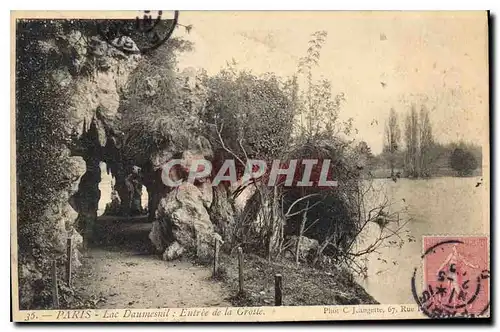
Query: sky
x=378 y=60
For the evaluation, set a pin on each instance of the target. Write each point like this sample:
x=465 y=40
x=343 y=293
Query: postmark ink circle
x=455 y=278
x=140 y=35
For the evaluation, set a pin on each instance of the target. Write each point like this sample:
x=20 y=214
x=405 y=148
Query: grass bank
x=302 y=285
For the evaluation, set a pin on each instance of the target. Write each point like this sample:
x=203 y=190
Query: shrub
x=254 y=113
x=463 y=162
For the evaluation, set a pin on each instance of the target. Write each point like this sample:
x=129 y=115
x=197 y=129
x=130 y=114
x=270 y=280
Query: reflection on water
x=440 y=206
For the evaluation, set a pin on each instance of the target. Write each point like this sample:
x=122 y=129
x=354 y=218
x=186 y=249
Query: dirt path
x=119 y=272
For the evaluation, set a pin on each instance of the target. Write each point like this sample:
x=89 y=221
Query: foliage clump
x=161 y=108
x=463 y=162
x=253 y=114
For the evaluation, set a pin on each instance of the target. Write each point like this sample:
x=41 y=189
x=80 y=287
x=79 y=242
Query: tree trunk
x=301 y=232
x=276 y=223
x=222 y=214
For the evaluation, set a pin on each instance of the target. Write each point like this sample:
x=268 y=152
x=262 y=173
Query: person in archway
x=134 y=188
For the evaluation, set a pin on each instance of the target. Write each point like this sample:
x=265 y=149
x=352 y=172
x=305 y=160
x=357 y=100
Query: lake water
x=445 y=205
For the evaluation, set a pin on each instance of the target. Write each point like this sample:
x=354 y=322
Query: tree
x=412 y=143
x=160 y=111
x=317 y=106
x=364 y=154
x=463 y=162
x=392 y=139
x=426 y=143
x=251 y=117
x=254 y=114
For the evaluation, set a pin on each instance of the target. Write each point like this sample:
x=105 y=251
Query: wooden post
x=69 y=256
x=216 y=257
x=55 y=292
x=277 y=290
x=240 y=268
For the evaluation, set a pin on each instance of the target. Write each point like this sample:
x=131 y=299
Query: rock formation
x=183 y=213
x=306 y=250
x=93 y=75
x=182 y=222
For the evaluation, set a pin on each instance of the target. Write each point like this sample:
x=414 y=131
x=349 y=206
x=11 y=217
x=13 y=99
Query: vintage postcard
x=207 y=166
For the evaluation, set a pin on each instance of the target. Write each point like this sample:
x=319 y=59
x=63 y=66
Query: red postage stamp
x=456 y=276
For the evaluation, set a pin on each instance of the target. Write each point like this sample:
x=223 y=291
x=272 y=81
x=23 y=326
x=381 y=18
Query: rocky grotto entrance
x=109 y=186
x=180 y=217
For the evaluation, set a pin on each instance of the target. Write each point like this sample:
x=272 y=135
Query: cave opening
x=110 y=201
